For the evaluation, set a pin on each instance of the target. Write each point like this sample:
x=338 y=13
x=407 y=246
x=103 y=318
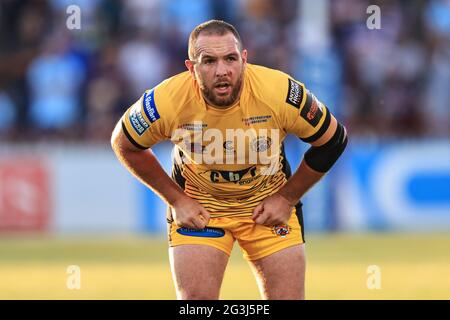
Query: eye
x=231 y=59
x=208 y=61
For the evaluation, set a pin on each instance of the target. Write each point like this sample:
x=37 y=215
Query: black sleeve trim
x=127 y=134
x=322 y=129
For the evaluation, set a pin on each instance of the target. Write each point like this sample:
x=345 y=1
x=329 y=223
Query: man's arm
x=317 y=162
x=144 y=166
x=323 y=153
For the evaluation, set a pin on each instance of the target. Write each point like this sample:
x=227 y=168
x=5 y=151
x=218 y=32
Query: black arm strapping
x=322 y=158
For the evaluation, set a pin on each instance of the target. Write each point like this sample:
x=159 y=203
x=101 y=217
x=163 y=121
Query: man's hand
x=189 y=213
x=272 y=211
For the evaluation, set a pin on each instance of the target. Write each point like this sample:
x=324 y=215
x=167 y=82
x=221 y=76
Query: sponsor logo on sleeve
x=137 y=120
x=312 y=111
x=150 y=106
x=295 y=94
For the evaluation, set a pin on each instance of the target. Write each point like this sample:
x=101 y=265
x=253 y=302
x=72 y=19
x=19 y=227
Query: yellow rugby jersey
x=228 y=159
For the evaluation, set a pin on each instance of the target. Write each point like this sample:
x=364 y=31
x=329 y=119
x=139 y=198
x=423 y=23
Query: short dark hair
x=211 y=27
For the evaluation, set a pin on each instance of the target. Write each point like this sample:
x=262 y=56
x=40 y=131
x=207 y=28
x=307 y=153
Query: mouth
x=222 y=88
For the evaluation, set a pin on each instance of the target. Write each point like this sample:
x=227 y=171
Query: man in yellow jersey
x=230 y=180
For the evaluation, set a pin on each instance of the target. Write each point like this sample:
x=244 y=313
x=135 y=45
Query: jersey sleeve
x=147 y=121
x=302 y=113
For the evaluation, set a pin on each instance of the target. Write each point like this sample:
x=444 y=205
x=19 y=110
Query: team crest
x=261 y=144
x=281 y=230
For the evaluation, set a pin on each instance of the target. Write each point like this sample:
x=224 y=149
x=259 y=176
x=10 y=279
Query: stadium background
x=65 y=200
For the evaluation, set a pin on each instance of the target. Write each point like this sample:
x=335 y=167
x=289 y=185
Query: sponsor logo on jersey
x=281 y=230
x=150 y=106
x=196 y=126
x=247 y=181
x=234 y=146
x=228 y=147
x=137 y=121
x=295 y=94
x=256 y=119
x=261 y=144
x=218 y=176
x=312 y=111
x=208 y=232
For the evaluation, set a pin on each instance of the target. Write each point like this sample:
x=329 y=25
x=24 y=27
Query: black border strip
x=242 y=309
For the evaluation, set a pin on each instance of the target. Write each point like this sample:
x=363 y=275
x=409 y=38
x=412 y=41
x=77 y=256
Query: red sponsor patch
x=312 y=110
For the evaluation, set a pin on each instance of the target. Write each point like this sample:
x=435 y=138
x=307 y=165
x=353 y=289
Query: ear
x=244 y=56
x=189 y=65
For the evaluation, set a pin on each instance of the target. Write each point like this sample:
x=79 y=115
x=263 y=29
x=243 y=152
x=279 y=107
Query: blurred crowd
x=73 y=85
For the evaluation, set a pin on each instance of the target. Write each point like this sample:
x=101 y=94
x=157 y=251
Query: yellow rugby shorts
x=256 y=241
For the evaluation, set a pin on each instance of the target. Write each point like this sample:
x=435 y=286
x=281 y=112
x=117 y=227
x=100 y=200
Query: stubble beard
x=214 y=99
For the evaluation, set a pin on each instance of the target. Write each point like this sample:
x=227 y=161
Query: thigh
x=258 y=241
x=197 y=271
x=216 y=234
x=281 y=275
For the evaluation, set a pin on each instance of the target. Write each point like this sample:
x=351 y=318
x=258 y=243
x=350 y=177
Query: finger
x=199 y=222
x=195 y=225
x=179 y=223
x=275 y=219
x=205 y=214
x=280 y=218
x=270 y=222
x=189 y=225
x=261 y=218
x=258 y=210
x=270 y=219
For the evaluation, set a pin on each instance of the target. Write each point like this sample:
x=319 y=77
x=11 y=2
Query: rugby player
x=230 y=181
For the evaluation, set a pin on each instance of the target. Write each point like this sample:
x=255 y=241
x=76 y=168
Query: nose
x=221 y=69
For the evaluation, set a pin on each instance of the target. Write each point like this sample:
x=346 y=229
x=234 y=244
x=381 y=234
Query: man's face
x=218 y=68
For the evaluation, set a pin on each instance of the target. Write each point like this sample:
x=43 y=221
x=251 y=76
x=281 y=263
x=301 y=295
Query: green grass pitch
x=412 y=266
